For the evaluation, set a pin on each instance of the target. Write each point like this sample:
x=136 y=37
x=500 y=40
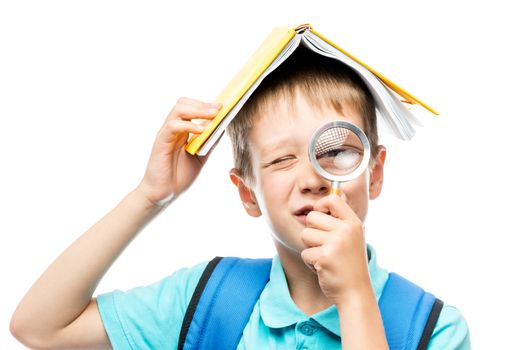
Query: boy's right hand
x=171 y=170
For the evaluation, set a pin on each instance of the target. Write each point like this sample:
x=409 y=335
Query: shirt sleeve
x=149 y=317
x=451 y=331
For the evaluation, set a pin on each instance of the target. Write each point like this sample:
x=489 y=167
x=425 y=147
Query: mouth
x=301 y=213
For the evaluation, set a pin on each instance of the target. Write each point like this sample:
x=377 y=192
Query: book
x=390 y=99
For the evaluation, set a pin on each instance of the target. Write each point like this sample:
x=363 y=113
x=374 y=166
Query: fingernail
x=215 y=104
x=212 y=110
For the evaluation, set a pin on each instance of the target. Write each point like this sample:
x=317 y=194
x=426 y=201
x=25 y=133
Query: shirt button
x=307 y=329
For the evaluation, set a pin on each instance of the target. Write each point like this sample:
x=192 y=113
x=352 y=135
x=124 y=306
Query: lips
x=304 y=210
x=301 y=213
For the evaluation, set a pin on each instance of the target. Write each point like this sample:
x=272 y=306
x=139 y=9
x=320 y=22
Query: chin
x=283 y=247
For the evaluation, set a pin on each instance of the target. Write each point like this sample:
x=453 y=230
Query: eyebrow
x=271 y=147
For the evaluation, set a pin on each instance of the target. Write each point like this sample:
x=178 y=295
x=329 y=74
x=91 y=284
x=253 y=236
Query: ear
x=246 y=194
x=377 y=173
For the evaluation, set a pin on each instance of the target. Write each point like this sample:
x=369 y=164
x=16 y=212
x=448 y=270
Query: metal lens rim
x=361 y=135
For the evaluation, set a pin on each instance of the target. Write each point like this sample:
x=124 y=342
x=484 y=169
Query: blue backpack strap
x=409 y=314
x=223 y=302
x=229 y=288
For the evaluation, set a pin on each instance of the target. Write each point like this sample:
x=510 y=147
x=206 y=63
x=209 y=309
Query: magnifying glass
x=339 y=152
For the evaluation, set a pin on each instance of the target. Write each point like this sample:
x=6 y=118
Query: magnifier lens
x=339 y=151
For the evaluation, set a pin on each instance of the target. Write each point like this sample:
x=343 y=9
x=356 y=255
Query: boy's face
x=285 y=180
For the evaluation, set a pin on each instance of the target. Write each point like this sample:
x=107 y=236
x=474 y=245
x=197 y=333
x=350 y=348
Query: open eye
x=340 y=159
x=339 y=151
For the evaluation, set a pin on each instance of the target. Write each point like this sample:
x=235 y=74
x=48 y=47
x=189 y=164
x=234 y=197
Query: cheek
x=357 y=192
x=276 y=188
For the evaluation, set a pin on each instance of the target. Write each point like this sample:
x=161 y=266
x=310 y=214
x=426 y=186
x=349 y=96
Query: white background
x=85 y=86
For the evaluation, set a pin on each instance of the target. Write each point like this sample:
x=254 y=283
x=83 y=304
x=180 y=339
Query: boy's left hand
x=336 y=249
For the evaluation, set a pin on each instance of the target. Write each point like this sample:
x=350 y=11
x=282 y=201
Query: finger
x=320 y=220
x=173 y=128
x=313 y=237
x=189 y=112
x=310 y=256
x=336 y=207
x=197 y=103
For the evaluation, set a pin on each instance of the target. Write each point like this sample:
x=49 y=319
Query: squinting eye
x=280 y=160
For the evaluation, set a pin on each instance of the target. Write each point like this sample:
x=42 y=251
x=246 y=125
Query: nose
x=309 y=181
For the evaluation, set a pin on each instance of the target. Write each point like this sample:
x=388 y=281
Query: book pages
x=396 y=116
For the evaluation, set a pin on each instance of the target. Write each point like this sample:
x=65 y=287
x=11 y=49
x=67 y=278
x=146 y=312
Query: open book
x=277 y=47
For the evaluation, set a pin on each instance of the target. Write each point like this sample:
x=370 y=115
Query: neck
x=302 y=282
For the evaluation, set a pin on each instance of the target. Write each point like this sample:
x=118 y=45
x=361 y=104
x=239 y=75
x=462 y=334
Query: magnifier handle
x=335 y=188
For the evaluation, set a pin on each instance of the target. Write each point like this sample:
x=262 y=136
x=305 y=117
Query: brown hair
x=323 y=81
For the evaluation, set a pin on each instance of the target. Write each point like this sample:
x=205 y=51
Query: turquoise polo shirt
x=150 y=317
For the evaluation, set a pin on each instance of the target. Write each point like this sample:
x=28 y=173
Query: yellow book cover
x=279 y=45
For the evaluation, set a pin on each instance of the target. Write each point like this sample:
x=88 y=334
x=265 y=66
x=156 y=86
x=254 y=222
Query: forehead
x=292 y=123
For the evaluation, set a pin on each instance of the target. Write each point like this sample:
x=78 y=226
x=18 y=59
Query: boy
x=324 y=282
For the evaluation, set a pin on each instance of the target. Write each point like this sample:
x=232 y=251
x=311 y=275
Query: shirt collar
x=278 y=310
